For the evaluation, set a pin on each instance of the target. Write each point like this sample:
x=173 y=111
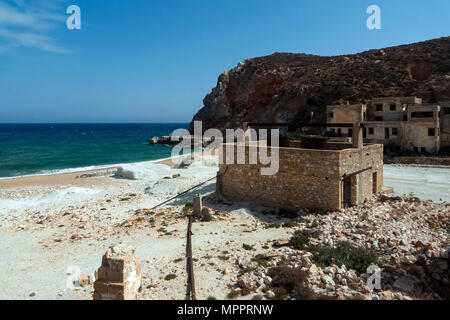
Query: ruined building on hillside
x=401 y=122
x=312 y=173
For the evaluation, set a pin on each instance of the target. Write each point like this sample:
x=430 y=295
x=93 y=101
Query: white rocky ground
x=44 y=230
x=427 y=183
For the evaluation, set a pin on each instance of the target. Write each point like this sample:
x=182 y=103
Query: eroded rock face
x=286 y=87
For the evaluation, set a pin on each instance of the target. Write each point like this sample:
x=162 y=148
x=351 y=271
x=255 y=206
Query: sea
x=36 y=149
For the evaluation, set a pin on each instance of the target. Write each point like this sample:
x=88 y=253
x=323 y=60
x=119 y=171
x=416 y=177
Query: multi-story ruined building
x=402 y=122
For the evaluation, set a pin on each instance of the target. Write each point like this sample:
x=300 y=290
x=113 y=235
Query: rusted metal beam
x=356 y=172
x=191 y=278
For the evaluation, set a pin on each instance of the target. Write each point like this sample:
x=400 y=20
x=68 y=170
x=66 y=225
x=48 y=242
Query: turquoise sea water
x=28 y=149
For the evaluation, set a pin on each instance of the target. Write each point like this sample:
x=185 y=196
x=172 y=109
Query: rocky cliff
x=289 y=87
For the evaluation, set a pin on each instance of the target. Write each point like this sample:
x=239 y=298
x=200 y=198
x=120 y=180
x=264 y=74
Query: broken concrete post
x=218 y=194
x=357 y=137
x=198 y=205
x=119 y=276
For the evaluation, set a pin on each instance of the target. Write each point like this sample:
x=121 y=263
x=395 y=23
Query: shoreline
x=73 y=177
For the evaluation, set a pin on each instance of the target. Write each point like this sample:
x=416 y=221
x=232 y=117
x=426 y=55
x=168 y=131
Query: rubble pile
x=409 y=235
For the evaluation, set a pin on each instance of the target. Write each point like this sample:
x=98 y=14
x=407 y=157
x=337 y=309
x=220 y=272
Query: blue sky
x=154 y=61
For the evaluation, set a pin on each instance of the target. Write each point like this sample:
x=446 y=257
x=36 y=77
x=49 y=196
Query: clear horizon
x=154 y=62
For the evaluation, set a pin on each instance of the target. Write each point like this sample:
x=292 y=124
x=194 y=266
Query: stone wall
x=306 y=178
x=354 y=160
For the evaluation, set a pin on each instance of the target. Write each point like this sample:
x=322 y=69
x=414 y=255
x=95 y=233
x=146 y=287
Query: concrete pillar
x=119 y=276
x=198 y=204
x=357 y=137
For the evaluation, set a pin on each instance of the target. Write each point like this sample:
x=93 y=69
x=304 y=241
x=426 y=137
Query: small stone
x=241 y=284
x=327 y=280
x=313 y=269
x=32 y=294
x=270 y=294
x=83 y=279
x=328 y=270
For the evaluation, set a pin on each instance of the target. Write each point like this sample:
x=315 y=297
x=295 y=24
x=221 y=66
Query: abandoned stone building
x=312 y=173
x=401 y=122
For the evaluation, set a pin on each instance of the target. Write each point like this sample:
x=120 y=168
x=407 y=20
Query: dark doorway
x=347 y=201
x=386 y=133
x=374 y=182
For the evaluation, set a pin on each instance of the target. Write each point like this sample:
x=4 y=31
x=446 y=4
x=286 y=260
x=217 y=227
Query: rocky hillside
x=289 y=87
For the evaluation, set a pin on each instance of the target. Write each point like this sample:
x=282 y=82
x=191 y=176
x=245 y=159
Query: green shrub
x=188 y=207
x=344 y=253
x=246 y=270
x=247 y=247
x=290 y=224
x=170 y=277
x=299 y=241
x=260 y=262
x=205 y=215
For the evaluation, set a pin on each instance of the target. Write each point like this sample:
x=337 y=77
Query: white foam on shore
x=58 y=197
x=88 y=168
x=145 y=175
x=144 y=171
